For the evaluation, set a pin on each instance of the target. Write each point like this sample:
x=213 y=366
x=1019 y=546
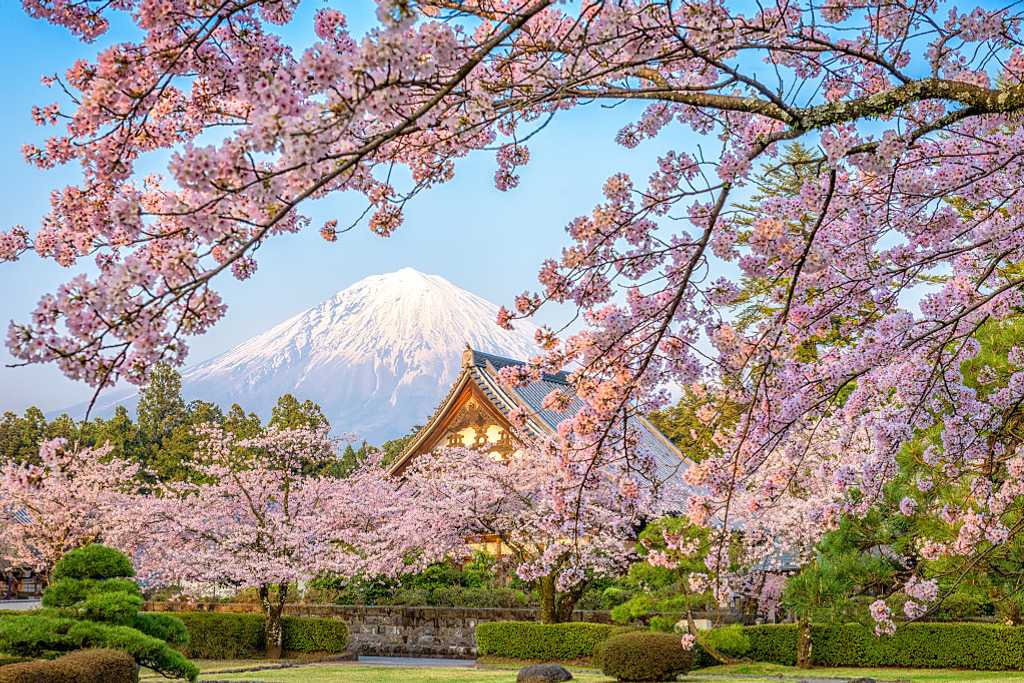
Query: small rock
x=543 y=673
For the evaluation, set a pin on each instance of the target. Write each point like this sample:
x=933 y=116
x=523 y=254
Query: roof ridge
x=481 y=358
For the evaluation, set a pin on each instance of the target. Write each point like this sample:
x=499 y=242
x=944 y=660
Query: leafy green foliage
x=163 y=626
x=533 y=640
x=645 y=656
x=93 y=603
x=458 y=596
x=221 y=635
x=443 y=584
x=111 y=608
x=68 y=592
x=42 y=635
x=660 y=597
x=225 y=635
x=775 y=642
x=731 y=641
x=290 y=413
x=93 y=561
x=83 y=666
x=926 y=645
x=392 y=449
x=314 y=635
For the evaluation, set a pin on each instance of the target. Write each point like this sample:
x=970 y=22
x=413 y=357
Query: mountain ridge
x=377 y=356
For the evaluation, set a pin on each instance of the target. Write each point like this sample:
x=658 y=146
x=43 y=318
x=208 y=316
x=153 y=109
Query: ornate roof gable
x=477 y=395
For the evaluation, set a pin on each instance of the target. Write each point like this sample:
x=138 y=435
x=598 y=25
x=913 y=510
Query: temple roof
x=482 y=369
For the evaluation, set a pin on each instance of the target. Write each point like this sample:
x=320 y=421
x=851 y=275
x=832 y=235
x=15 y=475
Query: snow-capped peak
x=378 y=356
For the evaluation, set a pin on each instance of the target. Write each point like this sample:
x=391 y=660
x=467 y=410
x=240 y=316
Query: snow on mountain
x=378 y=357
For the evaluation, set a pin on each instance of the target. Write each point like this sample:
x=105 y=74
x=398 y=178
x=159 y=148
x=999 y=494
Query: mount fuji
x=378 y=356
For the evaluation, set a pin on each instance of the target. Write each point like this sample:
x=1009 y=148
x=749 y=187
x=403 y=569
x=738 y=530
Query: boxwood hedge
x=918 y=645
x=533 y=640
x=227 y=635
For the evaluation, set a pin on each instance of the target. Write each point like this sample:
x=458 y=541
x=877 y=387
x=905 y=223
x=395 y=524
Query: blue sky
x=487 y=241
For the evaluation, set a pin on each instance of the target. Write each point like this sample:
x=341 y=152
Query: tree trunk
x=567 y=602
x=548 y=609
x=803 y=644
x=273 y=607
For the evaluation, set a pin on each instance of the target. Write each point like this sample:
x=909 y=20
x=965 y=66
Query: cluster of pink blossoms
x=872 y=274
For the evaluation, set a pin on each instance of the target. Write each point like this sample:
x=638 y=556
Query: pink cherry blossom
x=72 y=497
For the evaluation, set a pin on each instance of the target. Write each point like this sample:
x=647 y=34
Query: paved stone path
x=19 y=604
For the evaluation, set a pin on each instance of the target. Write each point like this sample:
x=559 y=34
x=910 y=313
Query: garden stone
x=543 y=673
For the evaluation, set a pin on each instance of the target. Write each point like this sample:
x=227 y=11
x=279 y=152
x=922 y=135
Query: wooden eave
x=428 y=438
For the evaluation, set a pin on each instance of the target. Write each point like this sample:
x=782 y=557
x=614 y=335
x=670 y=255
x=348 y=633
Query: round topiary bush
x=645 y=656
x=93 y=562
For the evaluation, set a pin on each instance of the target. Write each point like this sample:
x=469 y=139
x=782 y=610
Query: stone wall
x=408 y=631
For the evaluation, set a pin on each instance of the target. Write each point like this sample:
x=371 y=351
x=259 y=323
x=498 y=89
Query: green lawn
x=505 y=672
x=775 y=671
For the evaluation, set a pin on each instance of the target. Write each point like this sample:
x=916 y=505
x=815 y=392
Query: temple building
x=475 y=413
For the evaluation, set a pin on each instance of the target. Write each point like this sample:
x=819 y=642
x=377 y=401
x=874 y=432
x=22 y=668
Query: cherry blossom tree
x=258 y=520
x=902 y=240
x=70 y=499
x=562 y=523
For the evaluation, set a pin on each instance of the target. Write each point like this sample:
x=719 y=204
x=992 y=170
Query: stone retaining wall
x=407 y=631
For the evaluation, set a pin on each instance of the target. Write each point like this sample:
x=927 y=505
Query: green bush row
x=82 y=666
x=920 y=645
x=225 y=635
x=533 y=640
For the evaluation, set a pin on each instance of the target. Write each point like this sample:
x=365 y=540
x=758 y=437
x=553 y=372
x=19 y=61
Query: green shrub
x=226 y=635
x=665 y=623
x=645 y=656
x=222 y=635
x=111 y=608
x=459 y=596
x=924 y=645
x=83 y=666
x=41 y=635
x=962 y=605
x=163 y=626
x=597 y=658
x=93 y=602
x=93 y=562
x=68 y=591
x=314 y=635
x=731 y=641
x=533 y=640
x=773 y=643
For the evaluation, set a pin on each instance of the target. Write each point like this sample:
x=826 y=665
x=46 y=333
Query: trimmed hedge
x=227 y=635
x=936 y=645
x=83 y=666
x=223 y=635
x=917 y=645
x=645 y=656
x=774 y=643
x=533 y=640
x=303 y=634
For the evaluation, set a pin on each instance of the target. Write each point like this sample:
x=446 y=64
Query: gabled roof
x=480 y=370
